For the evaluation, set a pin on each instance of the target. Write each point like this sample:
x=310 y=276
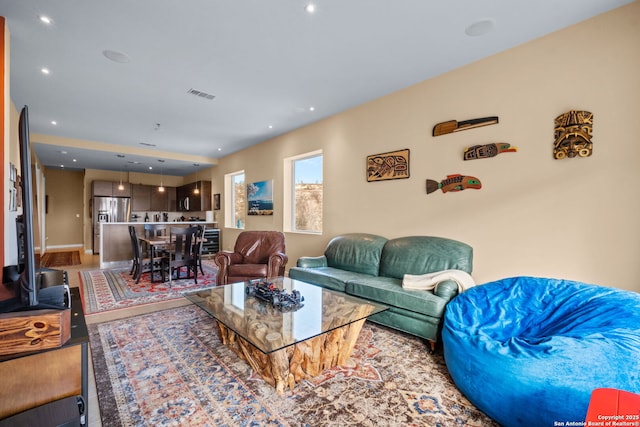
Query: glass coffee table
x=285 y=347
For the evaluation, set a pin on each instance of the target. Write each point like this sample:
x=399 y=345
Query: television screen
x=26 y=292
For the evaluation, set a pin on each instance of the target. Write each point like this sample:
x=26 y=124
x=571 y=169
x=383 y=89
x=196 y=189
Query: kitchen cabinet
x=205 y=196
x=140 y=198
x=159 y=200
x=110 y=189
x=172 y=199
x=188 y=201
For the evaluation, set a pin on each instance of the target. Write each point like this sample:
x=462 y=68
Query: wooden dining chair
x=156 y=230
x=199 y=243
x=140 y=264
x=182 y=253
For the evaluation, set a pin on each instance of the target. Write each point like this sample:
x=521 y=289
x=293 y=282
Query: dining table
x=157 y=244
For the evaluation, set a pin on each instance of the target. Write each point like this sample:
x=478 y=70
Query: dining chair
x=199 y=243
x=140 y=264
x=182 y=253
x=156 y=230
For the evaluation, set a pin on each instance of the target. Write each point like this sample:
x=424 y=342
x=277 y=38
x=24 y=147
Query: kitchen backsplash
x=171 y=216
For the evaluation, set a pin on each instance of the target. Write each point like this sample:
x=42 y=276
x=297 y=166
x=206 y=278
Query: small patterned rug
x=106 y=290
x=169 y=368
x=60 y=259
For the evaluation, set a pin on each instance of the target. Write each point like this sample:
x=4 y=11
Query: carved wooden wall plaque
x=573 y=131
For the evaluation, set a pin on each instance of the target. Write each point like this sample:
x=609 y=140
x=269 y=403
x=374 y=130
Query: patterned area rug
x=169 y=368
x=106 y=290
x=59 y=259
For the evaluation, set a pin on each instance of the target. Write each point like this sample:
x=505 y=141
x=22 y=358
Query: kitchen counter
x=115 y=243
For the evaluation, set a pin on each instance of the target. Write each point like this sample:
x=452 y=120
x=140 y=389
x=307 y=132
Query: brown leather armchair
x=257 y=254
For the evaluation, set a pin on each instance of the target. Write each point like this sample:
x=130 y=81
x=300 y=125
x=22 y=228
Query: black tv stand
x=66 y=412
x=30 y=390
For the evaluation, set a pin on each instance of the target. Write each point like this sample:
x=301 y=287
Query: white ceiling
x=265 y=61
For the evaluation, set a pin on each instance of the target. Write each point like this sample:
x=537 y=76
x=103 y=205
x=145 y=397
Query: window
x=303 y=193
x=235 y=194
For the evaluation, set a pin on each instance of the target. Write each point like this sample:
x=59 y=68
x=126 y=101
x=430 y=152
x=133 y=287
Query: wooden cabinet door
x=205 y=195
x=172 y=199
x=140 y=198
x=102 y=188
x=159 y=201
x=126 y=192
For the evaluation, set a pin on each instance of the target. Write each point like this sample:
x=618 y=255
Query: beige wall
x=64 y=219
x=573 y=219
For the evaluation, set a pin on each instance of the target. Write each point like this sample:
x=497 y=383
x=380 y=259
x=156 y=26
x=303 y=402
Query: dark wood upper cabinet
x=110 y=189
x=189 y=201
x=159 y=200
x=140 y=197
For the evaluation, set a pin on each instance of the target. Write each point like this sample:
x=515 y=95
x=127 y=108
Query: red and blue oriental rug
x=168 y=368
x=106 y=290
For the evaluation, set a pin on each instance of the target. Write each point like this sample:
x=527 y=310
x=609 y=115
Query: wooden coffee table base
x=287 y=367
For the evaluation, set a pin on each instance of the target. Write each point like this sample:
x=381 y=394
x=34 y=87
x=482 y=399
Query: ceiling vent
x=201 y=94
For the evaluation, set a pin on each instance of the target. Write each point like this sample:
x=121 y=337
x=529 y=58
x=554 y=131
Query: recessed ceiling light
x=61 y=166
x=480 y=28
x=150 y=167
x=312 y=108
x=74 y=160
x=310 y=8
x=45 y=19
x=45 y=71
x=53 y=122
x=115 y=56
x=270 y=126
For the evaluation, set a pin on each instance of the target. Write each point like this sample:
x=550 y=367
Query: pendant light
x=121 y=186
x=196 y=190
x=161 y=188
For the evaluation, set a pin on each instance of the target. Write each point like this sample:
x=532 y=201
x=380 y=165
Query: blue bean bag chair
x=529 y=351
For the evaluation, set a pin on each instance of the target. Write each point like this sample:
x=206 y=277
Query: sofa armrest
x=446 y=289
x=312 y=261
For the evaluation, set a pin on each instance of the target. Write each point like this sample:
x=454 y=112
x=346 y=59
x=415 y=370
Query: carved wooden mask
x=573 y=134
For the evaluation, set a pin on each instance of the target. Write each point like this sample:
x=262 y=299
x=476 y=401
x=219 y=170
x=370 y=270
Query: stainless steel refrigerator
x=108 y=209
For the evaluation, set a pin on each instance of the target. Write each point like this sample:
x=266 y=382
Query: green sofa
x=372 y=267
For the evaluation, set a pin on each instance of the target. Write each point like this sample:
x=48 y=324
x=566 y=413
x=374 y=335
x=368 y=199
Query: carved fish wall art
x=488 y=150
x=455 y=182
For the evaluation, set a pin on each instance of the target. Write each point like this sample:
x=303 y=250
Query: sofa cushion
x=424 y=254
x=356 y=252
x=389 y=291
x=327 y=277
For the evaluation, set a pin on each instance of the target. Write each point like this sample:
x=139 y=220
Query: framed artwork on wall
x=260 y=198
x=392 y=165
x=216 y=202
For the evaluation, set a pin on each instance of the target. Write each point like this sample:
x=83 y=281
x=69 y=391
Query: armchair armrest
x=226 y=258
x=223 y=260
x=276 y=264
x=312 y=261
